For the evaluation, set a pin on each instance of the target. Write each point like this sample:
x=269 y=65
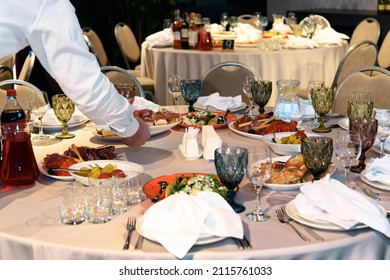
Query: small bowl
x=123 y=165
x=284 y=149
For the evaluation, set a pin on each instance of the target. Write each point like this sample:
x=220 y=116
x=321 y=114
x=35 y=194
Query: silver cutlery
x=139 y=243
x=308 y=229
x=243 y=243
x=130 y=226
x=163 y=186
x=283 y=219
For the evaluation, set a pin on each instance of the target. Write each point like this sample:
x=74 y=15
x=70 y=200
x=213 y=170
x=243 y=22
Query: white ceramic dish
x=245 y=134
x=58 y=127
x=284 y=149
x=44 y=172
x=293 y=213
x=123 y=165
x=344 y=124
x=377 y=185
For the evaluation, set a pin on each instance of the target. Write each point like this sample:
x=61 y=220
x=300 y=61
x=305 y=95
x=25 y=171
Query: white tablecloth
x=299 y=64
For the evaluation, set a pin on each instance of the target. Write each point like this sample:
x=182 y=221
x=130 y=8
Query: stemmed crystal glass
x=174 y=88
x=63 y=108
x=39 y=104
x=311 y=85
x=348 y=147
x=230 y=163
x=383 y=117
x=317 y=154
x=246 y=88
x=261 y=93
x=190 y=90
x=224 y=20
x=258 y=170
x=263 y=21
x=322 y=100
x=310 y=26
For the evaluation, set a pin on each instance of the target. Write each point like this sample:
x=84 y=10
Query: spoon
x=222 y=119
x=163 y=186
x=52 y=170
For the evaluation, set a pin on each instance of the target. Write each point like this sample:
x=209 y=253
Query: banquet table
x=299 y=64
x=30 y=227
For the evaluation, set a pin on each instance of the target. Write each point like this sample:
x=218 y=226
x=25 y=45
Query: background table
x=300 y=64
x=30 y=228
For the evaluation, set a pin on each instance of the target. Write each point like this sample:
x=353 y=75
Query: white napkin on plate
x=247 y=33
x=177 y=221
x=50 y=118
x=142 y=103
x=160 y=39
x=295 y=42
x=332 y=201
x=219 y=102
x=378 y=170
x=329 y=36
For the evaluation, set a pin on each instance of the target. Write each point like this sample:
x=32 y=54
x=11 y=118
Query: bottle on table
x=184 y=33
x=381 y=7
x=176 y=28
x=193 y=33
x=387 y=7
x=12 y=111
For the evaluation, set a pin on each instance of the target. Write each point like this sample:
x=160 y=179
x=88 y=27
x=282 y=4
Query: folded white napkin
x=162 y=38
x=180 y=219
x=378 y=170
x=280 y=28
x=50 y=118
x=247 y=33
x=329 y=36
x=332 y=201
x=142 y=103
x=210 y=141
x=216 y=28
x=295 y=42
x=219 y=102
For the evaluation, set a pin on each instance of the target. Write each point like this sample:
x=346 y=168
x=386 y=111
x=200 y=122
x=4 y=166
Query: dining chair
x=28 y=65
x=118 y=75
x=384 y=52
x=95 y=46
x=23 y=89
x=367 y=29
x=359 y=55
x=250 y=19
x=226 y=78
x=372 y=79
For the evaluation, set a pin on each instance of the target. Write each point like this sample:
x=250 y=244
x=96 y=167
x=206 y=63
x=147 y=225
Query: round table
x=298 y=64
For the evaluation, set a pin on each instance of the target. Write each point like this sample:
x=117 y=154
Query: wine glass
x=39 y=104
x=310 y=26
x=233 y=21
x=246 y=88
x=258 y=170
x=261 y=93
x=311 y=85
x=190 y=90
x=317 y=154
x=63 y=108
x=291 y=20
x=367 y=127
x=263 y=21
x=127 y=91
x=230 y=163
x=322 y=100
x=348 y=147
x=383 y=117
x=174 y=88
x=224 y=20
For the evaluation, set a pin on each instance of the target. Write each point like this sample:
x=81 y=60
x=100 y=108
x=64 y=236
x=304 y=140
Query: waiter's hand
x=140 y=137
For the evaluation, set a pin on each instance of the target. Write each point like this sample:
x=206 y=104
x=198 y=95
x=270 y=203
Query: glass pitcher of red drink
x=19 y=166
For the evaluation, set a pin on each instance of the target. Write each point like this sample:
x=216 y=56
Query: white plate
x=204 y=239
x=58 y=127
x=293 y=213
x=291 y=187
x=246 y=45
x=233 y=109
x=284 y=149
x=375 y=184
x=296 y=47
x=44 y=172
x=123 y=165
x=246 y=134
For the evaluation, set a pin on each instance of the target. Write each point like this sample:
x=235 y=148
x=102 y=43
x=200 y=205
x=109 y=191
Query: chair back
x=95 y=45
x=119 y=75
x=226 y=78
x=372 y=79
x=368 y=29
x=357 y=56
x=384 y=52
x=27 y=67
x=23 y=92
x=127 y=43
x=250 y=19
x=5 y=74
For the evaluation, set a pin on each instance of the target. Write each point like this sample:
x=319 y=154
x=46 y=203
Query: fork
x=243 y=243
x=130 y=226
x=279 y=166
x=283 y=219
x=309 y=230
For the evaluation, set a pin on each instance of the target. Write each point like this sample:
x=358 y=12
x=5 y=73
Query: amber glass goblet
x=63 y=108
x=322 y=100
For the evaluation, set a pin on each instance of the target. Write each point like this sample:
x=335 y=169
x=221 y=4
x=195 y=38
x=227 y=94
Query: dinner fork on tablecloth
x=130 y=226
x=283 y=219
